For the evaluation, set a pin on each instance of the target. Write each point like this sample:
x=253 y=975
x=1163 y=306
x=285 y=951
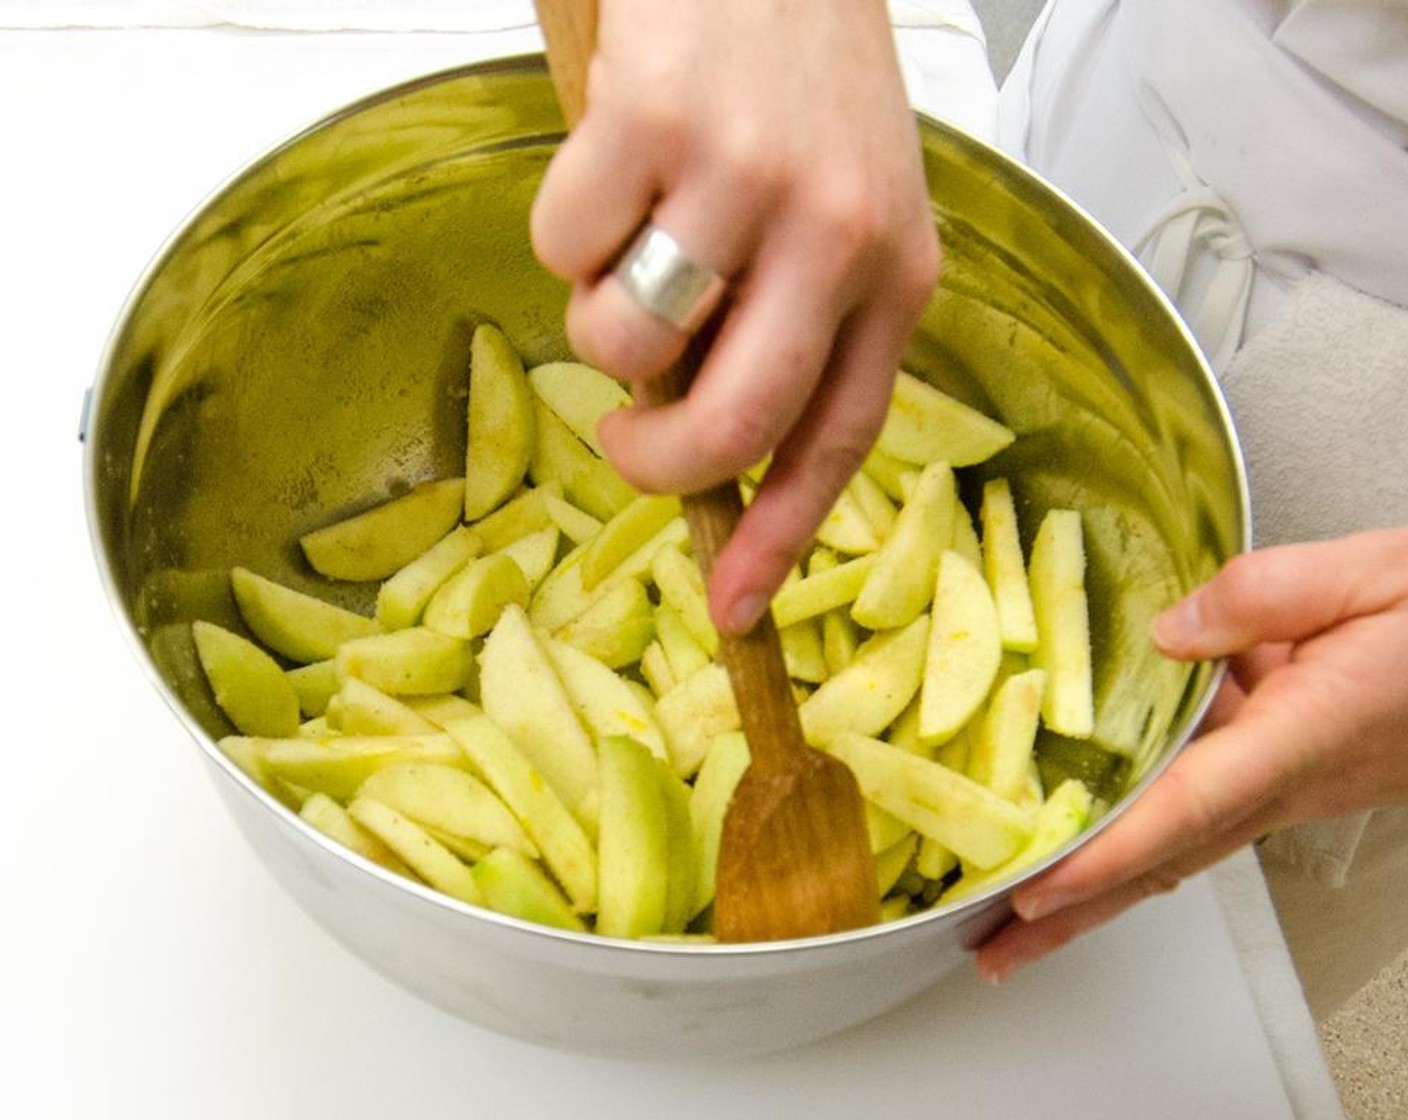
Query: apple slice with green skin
x=616 y=628
x=964 y=816
x=560 y=457
x=579 y=395
x=433 y=862
x=604 y=702
x=890 y=863
x=302 y=627
x=314 y=684
x=360 y=709
x=871 y=499
x=412 y=662
x=470 y=602
x=900 y=583
x=332 y=820
x=1061 y=818
x=562 y=596
x=250 y=687
x=925 y=425
x=512 y=884
x=724 y=762
x=698 y=708
x=637 y=523
x=1057 y=574
x=338 y=765
x=377 y=543
x=965 y=650
x=846 y=528
x=802 y=652
x=575 y=524
x=816 y=594
x=887 y=472
x=564 y=845
x=523 y=694
x=681 y=864
x=501 y=422
x=1000 y=754
x=447 y=799
x=868 y=695
x=401 y=600
x=1005 y=568
x=534 y=554
x=680 y=584
x=634 y=848
x=684 y=655
x=526 y=512
x=655 y=668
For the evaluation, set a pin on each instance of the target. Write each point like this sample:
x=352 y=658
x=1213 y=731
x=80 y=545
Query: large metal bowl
x=301 y=344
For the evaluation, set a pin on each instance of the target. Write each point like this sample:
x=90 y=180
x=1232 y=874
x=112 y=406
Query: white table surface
x=148 y=965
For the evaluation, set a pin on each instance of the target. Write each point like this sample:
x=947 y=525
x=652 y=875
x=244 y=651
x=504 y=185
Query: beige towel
x=1320 y=398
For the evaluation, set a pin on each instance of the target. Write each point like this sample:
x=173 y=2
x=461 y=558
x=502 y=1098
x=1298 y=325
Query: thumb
x=1288 y=593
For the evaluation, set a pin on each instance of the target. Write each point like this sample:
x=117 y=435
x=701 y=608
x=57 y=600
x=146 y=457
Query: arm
x=1312 y=723
x=774 y=142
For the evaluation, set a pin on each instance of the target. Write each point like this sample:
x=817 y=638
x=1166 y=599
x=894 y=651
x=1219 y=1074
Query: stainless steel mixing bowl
x=301 y=344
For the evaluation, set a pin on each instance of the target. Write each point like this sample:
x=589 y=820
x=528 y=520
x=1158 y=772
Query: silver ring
x=663 y=280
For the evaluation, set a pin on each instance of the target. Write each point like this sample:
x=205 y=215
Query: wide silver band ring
x=663 y=280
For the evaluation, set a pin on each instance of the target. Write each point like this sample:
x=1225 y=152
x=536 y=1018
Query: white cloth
x=1232 y=164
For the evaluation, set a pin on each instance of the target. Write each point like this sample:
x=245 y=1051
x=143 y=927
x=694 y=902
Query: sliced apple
x=564 y=845
x=387 y=537
x=332 y=820
x=964 y=816
x=501 y=422
x=1005 y=567
x=925 y=425
x=965 y=650
x=512 y=884
x=644 y=517
x=523 y=694
x=451 y=801
x=616 y=628
x=401 y=600
x=1000 y=754
x=413 y=662
x=1057 y=576
x=249 y=685
x=302 y=627
x=470 y=602
x=634 y=849
x=432 y=861
x=605 y=702
x=868 y=694
x=900 y=583
x=360 y=709
x=579 y=395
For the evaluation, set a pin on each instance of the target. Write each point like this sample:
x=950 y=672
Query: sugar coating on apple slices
x=533 y=721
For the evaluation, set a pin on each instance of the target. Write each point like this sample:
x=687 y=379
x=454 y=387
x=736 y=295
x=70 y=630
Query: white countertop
x=148 y=965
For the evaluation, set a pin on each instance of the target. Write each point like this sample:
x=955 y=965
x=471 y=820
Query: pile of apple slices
x=533 y=719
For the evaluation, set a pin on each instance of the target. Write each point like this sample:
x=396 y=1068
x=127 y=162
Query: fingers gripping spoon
x=795 y=857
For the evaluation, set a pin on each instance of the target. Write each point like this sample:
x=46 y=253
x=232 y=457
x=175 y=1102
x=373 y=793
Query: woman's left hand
x=1311 y=723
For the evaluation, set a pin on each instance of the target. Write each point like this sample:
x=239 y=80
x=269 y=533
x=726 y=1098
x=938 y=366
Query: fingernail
x=1038 y=904
x=996 y=974
x=744 y=613
x=1180 y=624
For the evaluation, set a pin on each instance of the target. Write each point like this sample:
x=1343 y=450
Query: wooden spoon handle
x=761 y=686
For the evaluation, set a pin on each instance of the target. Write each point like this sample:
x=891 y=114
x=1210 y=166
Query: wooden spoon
x=795 y=857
